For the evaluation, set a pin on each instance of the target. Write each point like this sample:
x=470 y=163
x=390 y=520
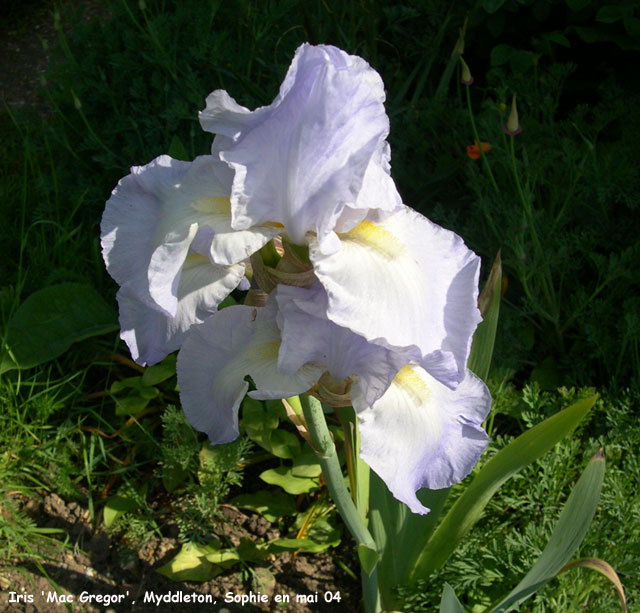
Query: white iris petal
x=405 y=283
x=423 y=434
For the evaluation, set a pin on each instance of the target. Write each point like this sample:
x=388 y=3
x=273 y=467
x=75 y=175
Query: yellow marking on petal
x=274 y=224
x=413 y=383
x=193 y=259
x=264 y=352
x=213 y=206
x=376 y=237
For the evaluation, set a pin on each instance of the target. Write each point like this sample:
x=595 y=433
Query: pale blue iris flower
x=387 y=316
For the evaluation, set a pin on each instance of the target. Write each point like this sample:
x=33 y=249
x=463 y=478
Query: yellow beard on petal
x=263 y=352
x=413 y=384
x=213 y=206
x=373 y=236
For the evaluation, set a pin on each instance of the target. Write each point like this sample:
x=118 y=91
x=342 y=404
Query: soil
x=92 y=563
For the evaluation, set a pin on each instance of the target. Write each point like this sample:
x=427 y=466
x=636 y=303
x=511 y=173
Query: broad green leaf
x=136 y=384
x=323 y=533
x=173 y=477
x=115 y=507
x=450 y=602
x=259 y=422
x=160 y=372
x=49 y=321
x=283 y=477
x=291 y=544
x=284 y=444
x=131 y=404
x=271 y=505
x=306 y=465
x=557 y=38
x=485 y=335
x=491 y=6
x=468 y=508
x=190 y=564
x=500 y=54
x=572 y=526
x=132 y=395
x=612 y=13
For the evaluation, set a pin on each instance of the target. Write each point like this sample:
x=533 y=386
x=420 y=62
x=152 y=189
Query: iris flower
x=379 y=306
x=415 y=431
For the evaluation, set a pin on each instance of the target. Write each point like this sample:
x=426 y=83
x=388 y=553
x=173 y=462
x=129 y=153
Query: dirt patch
x=93 y=573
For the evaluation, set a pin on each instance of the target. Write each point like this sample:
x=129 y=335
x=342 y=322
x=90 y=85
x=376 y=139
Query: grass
x=562 y=205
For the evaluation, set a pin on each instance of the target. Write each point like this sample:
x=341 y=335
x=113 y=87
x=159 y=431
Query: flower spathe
x=385 y=303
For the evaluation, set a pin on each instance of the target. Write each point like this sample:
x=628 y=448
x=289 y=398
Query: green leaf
x=292 y=544
x=572 y=526
x=191 y=564
x=468 y=508
x=611 y=13
x=450 y=602
x=491 y=6
x=135 y=399
x=115 y=507
x=578 y=5
x=283 y=477
x=400 y=534
x=500 y=54
x=49 y=321
x=160 y=372
x=368 y=558
x=485 y=335
x=173 y=477
x=177 y=150
x=284 y=444
x=271 y=505
x=259 y=422
x=559 y=39
x=306 y=465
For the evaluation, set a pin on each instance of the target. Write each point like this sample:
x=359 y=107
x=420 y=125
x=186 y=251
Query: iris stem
x=332 y=471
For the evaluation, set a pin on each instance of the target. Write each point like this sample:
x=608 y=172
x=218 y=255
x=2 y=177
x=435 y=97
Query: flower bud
x=466 y=79
x=459 y=46
x=512 y=127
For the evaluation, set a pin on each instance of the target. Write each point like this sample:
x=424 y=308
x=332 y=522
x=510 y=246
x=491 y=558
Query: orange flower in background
x=473 y=151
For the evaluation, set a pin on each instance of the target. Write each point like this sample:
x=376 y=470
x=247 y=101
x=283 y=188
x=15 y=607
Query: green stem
x=332 y=471
x=485 y=163
x=547 y=284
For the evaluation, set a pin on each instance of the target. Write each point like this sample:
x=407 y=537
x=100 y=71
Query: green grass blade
x=469 y=506
x=572 y=526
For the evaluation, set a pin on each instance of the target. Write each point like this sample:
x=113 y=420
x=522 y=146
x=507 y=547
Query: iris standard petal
x=401 y=281
x=150 y=333
x=216 y=357
x=421 y=433
x=302 y=159
x=308 y=337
